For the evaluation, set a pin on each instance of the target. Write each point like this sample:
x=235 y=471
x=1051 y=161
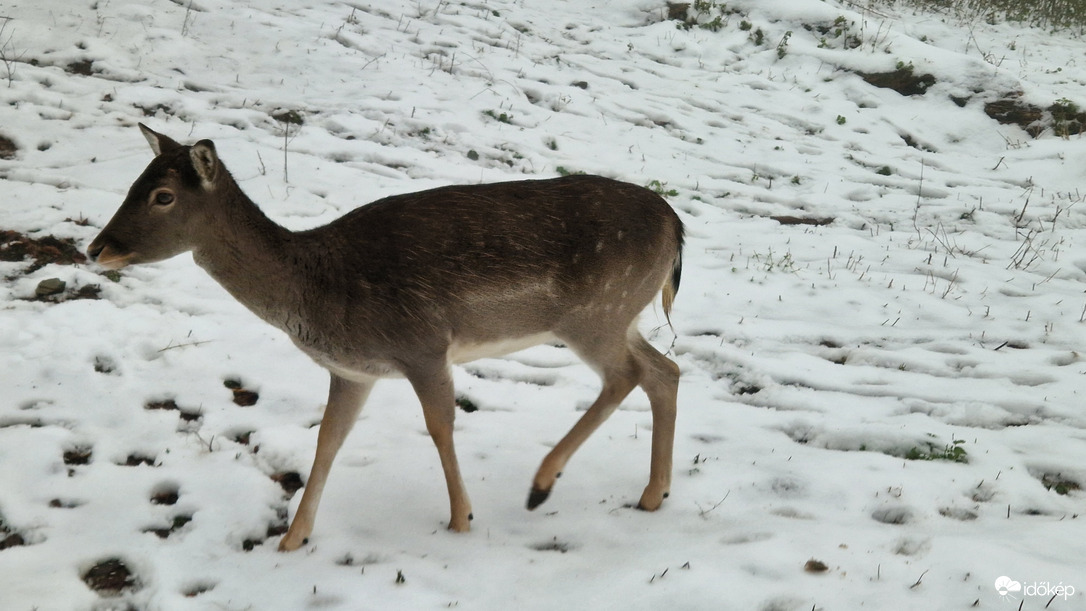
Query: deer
x=409 y=285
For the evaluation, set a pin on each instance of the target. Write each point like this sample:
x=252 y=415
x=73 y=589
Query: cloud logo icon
x=1005 y=585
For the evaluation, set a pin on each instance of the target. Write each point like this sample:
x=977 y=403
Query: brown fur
x=409 y=284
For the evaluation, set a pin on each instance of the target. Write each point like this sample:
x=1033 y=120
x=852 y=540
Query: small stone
x=50 y=286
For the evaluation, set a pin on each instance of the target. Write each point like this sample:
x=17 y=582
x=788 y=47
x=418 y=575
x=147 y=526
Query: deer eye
x=163 y=198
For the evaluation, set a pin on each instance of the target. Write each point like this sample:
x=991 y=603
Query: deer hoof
x=651 y=502
x=289 y=544
x=536 y=497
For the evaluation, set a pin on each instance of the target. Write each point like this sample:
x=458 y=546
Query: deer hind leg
x=620 y=372
x=434 y=388
x=345 y=399
x=660 y=382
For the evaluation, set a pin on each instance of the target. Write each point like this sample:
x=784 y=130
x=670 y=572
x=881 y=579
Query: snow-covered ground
x=938 y=313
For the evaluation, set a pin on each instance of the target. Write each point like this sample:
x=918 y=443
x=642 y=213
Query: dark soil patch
x=110 y=578
x=280 y=526
x=290 y=481
x=104 y=364
x=54 y=290
x=275 y=529
x=242 y=396
x=78 y=456
x=64 y=503
x=9 y=538
x=1064 y=118
x=166 y=404
x=1067 y=120
x=1012 y=111
x=743 y=388
x=676 y=11
x=245 y=398
x=7 y=148
x=136 y=460
x=83 y=67
x=163 y=533
x=902 y=80
x=171 y=405
x=165 y=497
x=150 y=111
x=189 y=416
x=797 y=220
x=15 y=246
x=87 y=291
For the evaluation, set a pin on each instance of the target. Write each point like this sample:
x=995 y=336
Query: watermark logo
x=1009 y=589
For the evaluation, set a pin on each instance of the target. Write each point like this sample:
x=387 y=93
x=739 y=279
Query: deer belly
x=462 y=351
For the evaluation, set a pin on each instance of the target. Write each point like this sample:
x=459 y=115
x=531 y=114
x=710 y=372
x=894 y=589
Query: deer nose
x=94 y=250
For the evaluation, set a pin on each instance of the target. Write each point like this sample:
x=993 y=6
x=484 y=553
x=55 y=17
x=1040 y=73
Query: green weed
x=952 y=452
x=660 y=188
x=500 y=117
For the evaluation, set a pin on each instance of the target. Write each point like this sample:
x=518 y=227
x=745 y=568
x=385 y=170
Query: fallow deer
x=411 y=284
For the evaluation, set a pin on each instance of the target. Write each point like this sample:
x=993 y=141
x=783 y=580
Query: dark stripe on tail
x=677 y=270
x=671 y=288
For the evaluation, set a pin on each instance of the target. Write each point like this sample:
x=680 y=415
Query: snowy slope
x=937 y=313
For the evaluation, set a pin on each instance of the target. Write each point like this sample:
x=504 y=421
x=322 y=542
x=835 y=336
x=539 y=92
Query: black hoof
x=536 y=498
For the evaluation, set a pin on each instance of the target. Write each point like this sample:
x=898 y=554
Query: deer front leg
x=434 y=387
x=345 y=399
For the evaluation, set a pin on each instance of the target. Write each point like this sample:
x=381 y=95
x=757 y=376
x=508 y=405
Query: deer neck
x=253 y=258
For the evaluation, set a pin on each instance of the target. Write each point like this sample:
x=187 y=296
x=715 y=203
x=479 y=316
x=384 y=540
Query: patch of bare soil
x=15 y=247
x=1064 y=118
x=7 y=148
x=110 y=578
x=9 y=538
x=903 y=80
x=799 y=220
x=242 y=396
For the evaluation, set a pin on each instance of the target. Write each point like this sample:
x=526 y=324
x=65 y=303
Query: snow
x=942 y=307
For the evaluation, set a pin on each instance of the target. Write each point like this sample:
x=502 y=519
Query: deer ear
x=206 y=162
x=159 y=143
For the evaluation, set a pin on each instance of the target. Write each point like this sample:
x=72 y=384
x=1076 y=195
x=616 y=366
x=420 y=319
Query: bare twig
x=172 y=346
x=704 y=512
x=8 y=56
x=1022 y=214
